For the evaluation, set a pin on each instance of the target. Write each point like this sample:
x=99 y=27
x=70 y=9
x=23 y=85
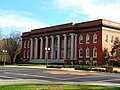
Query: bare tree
x=13 y=45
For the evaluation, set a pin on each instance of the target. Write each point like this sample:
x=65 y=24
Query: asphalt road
x=14 y=75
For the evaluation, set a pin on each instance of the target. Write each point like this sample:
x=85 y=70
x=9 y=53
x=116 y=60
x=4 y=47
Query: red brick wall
x=91 y=46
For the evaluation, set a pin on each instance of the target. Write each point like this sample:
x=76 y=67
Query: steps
x=46 y=60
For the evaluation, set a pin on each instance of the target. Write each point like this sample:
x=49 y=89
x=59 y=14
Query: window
x=81 y=39
x=94 y=63
x=87 y=62
x=87 y=39
x=87 y=52
x=28 y=44
x=24 y=44
x=111 y=39
x=80 y=53
x=106 y=38
x=94 y=38
x=95 y=52
x=106 y=52
x=80 y=62
x=24 y=56
x=28 y=54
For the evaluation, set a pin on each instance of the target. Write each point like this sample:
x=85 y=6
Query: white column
x=58 y=47
x=46 y=45
x=72 y=45
x=65 y=45
x=52 y=47
x=31 y=48
x=41 y=47
x=75 y=46
x=36 y=48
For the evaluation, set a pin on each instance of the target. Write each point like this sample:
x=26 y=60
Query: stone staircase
x=46 y=61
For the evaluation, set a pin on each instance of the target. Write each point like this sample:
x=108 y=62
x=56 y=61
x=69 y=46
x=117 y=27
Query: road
x=12 y=75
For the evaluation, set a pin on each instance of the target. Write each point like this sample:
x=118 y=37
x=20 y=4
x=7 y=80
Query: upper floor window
x=106 y=52
x=106 y=38
x=95 y=52
x=28 y=44
x=81 y=39
x=94 y=38
x=88 y=39
x=87 y=52
x=80 y=52
x=111 y=39
x=24 y=44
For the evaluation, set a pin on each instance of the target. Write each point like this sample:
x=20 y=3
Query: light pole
x=91 y=60
x=47 y=50
x=4 y=51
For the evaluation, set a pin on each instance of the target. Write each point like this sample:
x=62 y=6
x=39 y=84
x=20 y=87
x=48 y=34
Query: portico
x=55 y=45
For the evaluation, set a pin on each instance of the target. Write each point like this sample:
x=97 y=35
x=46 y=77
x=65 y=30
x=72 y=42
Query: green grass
x=54 y=87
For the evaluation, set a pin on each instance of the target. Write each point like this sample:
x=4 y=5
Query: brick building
x=83 y=43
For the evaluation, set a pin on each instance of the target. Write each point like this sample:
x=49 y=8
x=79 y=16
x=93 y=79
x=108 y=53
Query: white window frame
x=87 y=39
x=111 y=39
x=80 y=39
x=95 y=38
x=80 y=52
x=24 y=44
x=106 y=38
x=28 y=44
x=94 y=52
x=28 y=54
x=87 y=52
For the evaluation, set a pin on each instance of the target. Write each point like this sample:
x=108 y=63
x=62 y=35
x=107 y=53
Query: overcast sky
x=24 y=15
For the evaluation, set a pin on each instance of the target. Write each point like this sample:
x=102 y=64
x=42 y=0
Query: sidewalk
x=25 y=66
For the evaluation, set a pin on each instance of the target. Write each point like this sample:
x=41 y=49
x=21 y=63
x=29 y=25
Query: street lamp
x=91 y=60
x=4 y=51
x=47 y=50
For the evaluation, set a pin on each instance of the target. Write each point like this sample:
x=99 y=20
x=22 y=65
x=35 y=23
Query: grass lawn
x=54 y=87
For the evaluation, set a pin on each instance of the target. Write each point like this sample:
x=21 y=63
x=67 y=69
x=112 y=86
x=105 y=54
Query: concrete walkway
x=76 y=74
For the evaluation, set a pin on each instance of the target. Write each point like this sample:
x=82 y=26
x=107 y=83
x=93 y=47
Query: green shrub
x=54 y=66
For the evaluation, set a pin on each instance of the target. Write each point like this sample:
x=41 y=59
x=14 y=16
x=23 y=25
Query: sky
x=24 y=15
